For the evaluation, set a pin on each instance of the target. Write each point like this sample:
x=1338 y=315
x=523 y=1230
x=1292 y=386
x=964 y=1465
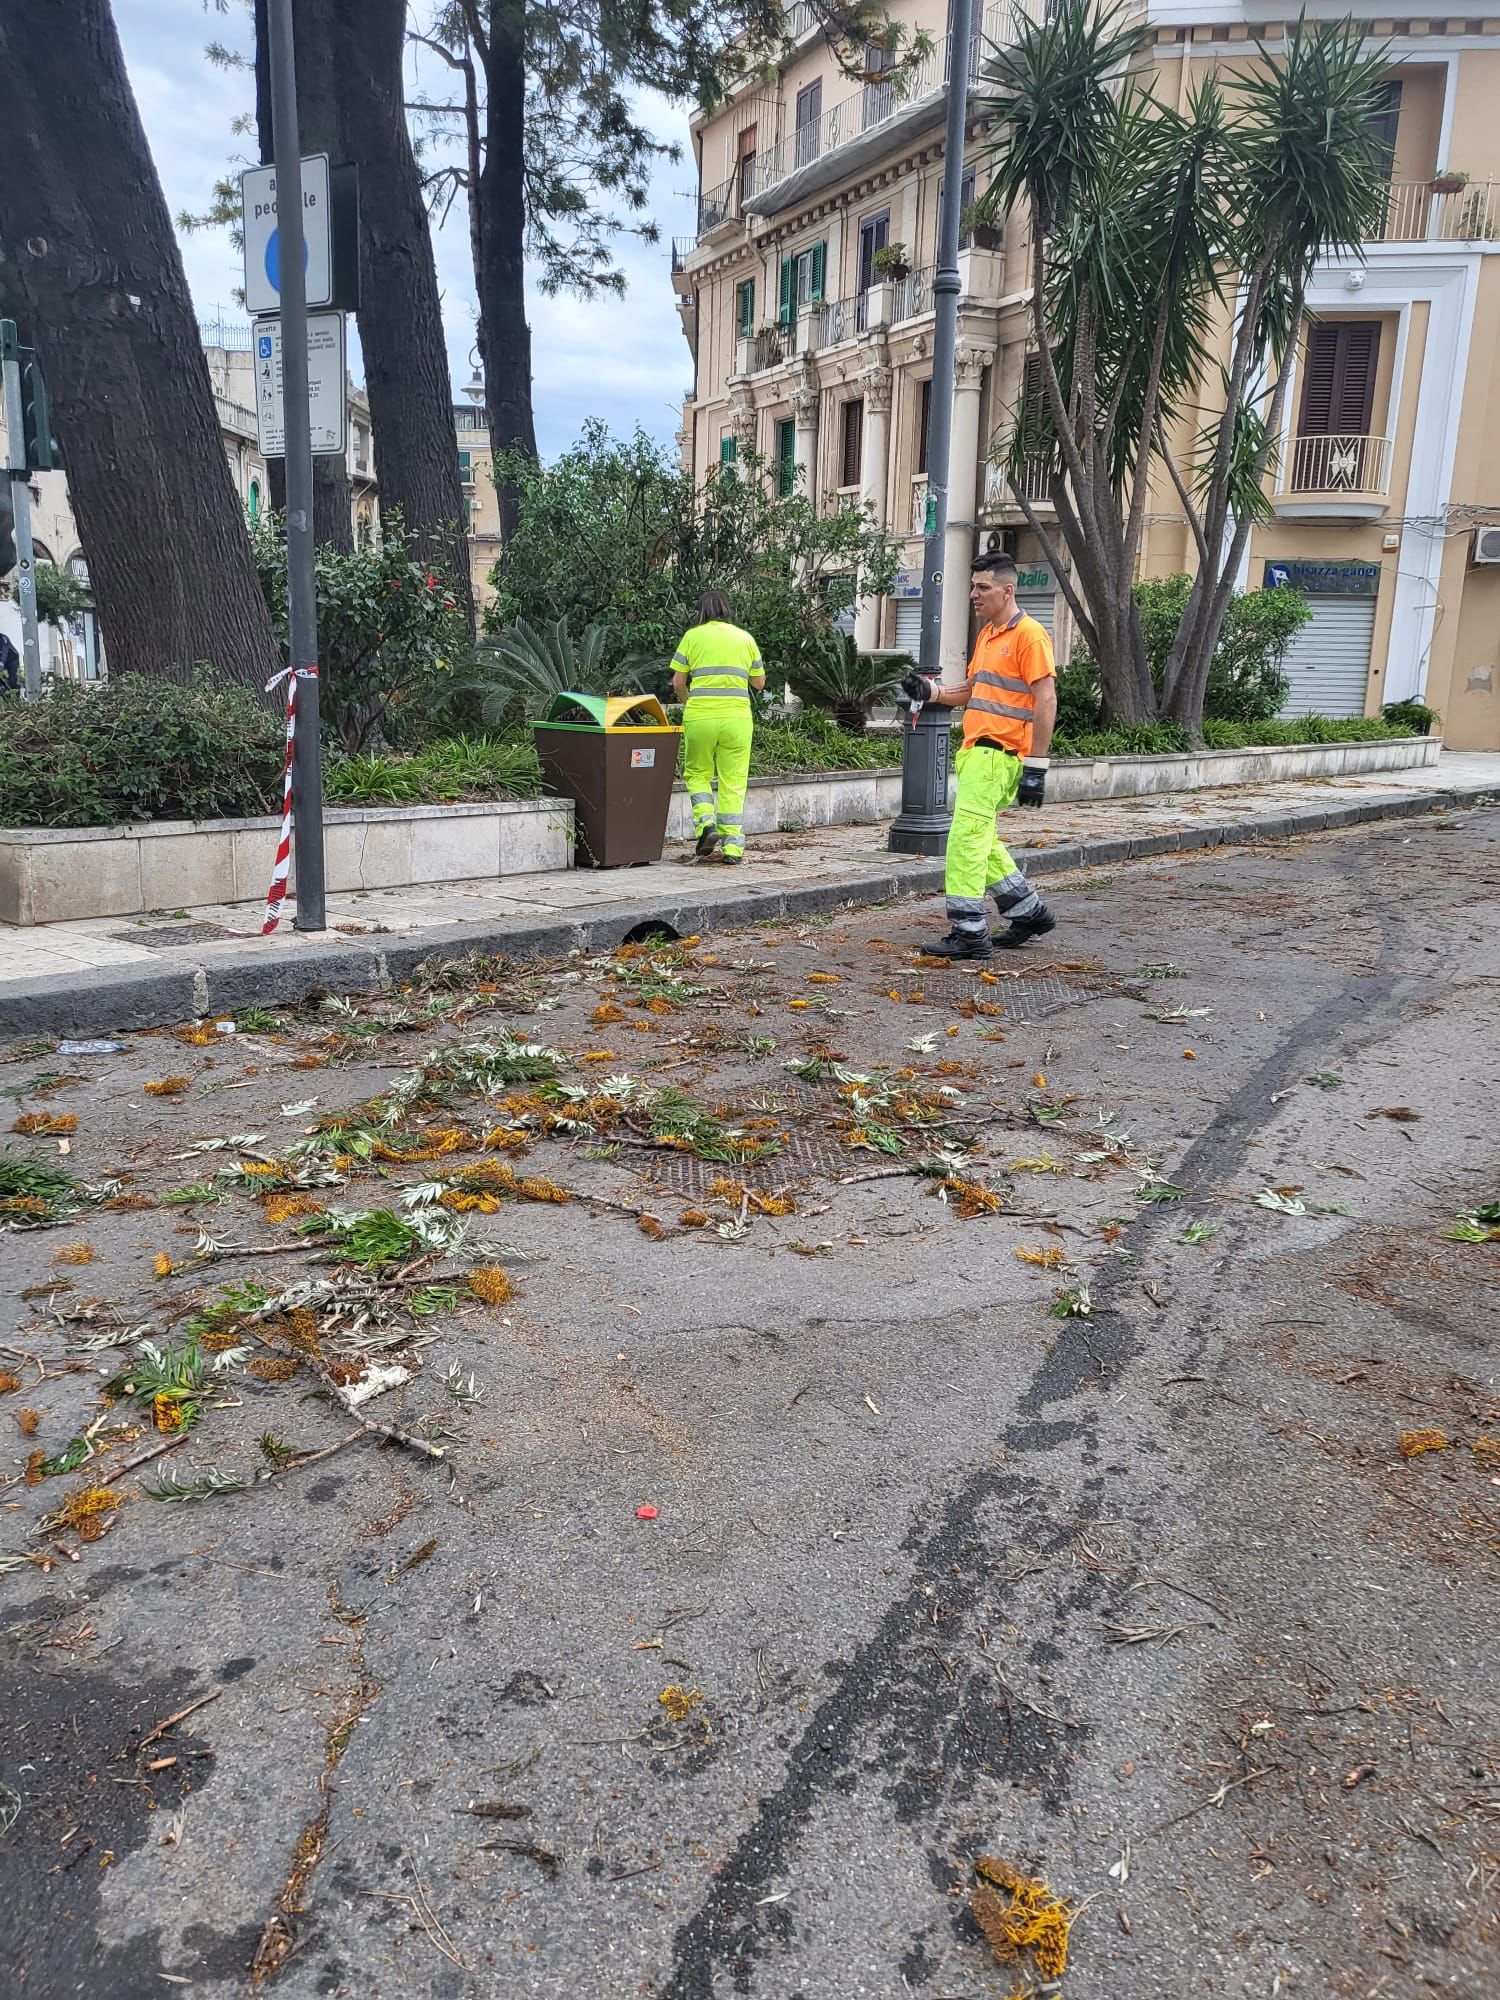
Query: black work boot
x=708 y=840
x=1021 y=930
x=961 y=944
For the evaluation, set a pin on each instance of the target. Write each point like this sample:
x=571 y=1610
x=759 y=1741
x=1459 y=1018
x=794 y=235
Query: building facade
x=476 y=471
x=806 y=298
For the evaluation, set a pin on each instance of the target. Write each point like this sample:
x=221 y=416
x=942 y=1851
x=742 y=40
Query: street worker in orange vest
x=717 y=664
x=1010 y=708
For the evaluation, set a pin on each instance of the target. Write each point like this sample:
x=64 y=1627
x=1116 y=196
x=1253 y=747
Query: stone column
x=969 y=364
x=806 y=401
x=875 y=480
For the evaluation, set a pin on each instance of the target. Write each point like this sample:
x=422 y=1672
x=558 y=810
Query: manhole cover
x=1018 y=999
x=800 y=1159
x=161 y=937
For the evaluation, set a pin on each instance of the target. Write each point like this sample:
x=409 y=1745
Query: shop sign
x=1325 y=579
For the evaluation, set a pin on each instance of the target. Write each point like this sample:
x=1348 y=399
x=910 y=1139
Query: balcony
x=1414 y=214
x=235 y=419
x=1002 y=493
x=1335 y=476
x=878 y=110
x=716 y=206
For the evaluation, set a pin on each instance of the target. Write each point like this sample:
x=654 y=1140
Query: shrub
x=1078 y=695
x=389 y=629
x=138 y=749
x=815 y=742
x=515 y=676
x=458 y=768
x=1415 y=718
x=833 y=674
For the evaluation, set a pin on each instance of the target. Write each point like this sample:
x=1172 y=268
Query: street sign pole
x=921 y=827
x=302 y=610
x=20 y=500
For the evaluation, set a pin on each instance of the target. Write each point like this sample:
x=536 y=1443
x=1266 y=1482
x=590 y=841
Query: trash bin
x=615 y=756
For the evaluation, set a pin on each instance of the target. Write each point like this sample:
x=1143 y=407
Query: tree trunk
x=504 y=336
x=94 y=276
x=318 y=132
x=400 y=314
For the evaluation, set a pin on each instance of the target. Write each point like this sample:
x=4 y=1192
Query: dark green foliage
x=458 y=768
x=617 y=534
x=136 y=749
x=1415 y=717
x=1164 y=738
x=834 y=674
x=389 y=631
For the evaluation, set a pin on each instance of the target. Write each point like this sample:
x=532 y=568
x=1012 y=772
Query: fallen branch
x=181 y=1716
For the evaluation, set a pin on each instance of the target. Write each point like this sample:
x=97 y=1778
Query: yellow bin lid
x=607 y=712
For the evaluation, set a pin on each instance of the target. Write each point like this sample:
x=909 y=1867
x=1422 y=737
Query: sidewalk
x=115 y=973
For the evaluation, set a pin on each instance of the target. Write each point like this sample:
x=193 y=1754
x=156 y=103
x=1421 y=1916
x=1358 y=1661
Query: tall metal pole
x=921 y=827
x=302 y=607
x=20 y=500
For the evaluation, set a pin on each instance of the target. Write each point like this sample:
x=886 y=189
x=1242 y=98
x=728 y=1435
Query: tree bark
x=400 y=313
x=504 y=336
x=93 y=273
x=318 y=132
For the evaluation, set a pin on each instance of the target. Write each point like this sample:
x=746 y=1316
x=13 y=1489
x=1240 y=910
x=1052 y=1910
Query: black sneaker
x=708 y=840
x=1021 y=930
x=731 y=860
x=960 y=944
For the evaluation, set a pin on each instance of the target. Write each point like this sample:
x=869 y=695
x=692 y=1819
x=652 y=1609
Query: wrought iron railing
x=715 y=206
x=1414 y=214
x=913 y=293
x=1035 y=483
x=874 y=102
x=1338 y=462
x=770 y=347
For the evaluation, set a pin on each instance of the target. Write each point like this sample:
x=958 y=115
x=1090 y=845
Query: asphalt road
x=1144 y=1599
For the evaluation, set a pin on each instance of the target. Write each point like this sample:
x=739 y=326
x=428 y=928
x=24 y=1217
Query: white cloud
x=622 y=359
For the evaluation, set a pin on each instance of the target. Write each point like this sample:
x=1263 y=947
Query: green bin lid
x=606 y=711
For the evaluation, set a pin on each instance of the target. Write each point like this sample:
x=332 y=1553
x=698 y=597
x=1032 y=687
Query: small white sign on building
x=327 y=394
x=263 y=237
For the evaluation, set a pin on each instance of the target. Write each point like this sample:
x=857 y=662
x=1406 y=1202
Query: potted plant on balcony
x=891 y=262
x=1448 y=180
x=982 y=231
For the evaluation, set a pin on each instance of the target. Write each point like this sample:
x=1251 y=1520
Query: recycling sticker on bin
x=642 y=760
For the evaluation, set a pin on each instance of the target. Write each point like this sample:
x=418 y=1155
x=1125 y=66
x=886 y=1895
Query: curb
x=146 y=996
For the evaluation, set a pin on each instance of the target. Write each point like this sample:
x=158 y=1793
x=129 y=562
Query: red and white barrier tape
x=277 y=894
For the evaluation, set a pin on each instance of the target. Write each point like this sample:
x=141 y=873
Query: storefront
x=1328 y=662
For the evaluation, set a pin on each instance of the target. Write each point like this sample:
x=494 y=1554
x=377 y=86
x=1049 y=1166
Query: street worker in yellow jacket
x=1010 y=709
x=717 y=665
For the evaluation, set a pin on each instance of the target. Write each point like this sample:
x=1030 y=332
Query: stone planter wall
x=60 y=875
x=851 y=798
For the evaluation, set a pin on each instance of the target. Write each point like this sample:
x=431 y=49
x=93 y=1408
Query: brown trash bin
x=618 y=772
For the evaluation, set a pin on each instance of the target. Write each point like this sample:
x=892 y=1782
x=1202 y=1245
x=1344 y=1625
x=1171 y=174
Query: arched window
x=254 y=501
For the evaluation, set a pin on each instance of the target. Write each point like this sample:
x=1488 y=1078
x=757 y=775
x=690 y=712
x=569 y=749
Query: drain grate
x=1029 y=998
x=161 y=937
x=800 y=1159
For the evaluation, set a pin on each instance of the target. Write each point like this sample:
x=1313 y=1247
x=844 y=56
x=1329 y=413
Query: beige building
x=476 y=468
x=810 y=349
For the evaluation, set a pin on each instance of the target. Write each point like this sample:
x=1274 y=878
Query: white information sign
x=327 y=394
x=263 y=238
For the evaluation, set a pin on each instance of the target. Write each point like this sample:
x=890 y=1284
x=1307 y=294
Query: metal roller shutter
x=1038 y=604
x=908 y=625
x=1328 y=662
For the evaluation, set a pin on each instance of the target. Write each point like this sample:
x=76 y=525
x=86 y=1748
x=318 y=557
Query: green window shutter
x=728 y=448
x=819 y=264
x=788 y=290
x=746 y=298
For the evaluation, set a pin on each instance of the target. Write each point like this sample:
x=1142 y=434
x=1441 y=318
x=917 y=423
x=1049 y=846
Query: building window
x=468 y=507
x=854 y=443
x=744 y=171
x=802 y=278
x=466 y=468
x=965 y=200
x=1338 y=384
x=874 y=235
x=744 y=308
x=923 y=424
x=361 y=448
x=729 y=449
x=254 y=501
x=879 y=97
x=809 y=139
x=786 y=457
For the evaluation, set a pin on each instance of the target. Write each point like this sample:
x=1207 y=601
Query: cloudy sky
x=623 y=359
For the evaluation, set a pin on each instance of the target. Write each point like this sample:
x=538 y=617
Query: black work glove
x=918 y=688
x=1033 y=787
